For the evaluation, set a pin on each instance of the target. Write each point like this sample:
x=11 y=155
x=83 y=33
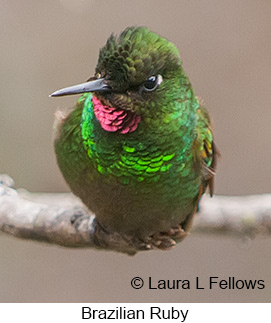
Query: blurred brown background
x=226 y=50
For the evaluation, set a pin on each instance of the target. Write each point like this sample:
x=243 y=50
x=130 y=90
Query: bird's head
x=138 y=72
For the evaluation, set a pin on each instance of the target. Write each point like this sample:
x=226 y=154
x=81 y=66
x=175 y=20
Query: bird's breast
x=138 y=156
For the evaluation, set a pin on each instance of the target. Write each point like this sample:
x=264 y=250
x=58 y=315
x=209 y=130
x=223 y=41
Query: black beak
x=91 y=86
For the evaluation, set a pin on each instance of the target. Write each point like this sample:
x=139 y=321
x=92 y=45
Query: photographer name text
x=211 y=283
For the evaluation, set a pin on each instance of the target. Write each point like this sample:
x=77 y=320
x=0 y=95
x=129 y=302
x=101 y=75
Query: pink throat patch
x=112 y=119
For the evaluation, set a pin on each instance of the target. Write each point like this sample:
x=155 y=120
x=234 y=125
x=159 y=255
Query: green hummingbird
x=138 y=147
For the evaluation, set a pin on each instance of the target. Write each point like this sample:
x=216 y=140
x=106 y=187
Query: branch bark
x=62 y=219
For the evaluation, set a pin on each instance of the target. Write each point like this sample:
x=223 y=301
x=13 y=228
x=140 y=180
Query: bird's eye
x=152 y=83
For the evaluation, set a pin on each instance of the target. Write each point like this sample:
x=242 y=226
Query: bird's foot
x=159 y=240
x=163 y=241
x=131 y=244
x=168 y=239
x=177 y=233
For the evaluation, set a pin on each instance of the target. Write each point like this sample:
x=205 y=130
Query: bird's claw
x=177 y=233
x=168 y=239
x=163 y=242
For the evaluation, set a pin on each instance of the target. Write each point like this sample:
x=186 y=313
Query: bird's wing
x=207 y=149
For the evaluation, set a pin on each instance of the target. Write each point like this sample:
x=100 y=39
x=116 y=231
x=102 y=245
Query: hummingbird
x=138 y=147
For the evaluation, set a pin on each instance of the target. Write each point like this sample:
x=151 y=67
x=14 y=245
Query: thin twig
x=61 y=218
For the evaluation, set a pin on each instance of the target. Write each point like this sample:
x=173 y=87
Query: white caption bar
x=127 y=312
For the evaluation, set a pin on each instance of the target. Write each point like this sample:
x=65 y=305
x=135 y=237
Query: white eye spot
x=152 y=83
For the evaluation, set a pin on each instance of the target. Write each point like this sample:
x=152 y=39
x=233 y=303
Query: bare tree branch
x=61 y=218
